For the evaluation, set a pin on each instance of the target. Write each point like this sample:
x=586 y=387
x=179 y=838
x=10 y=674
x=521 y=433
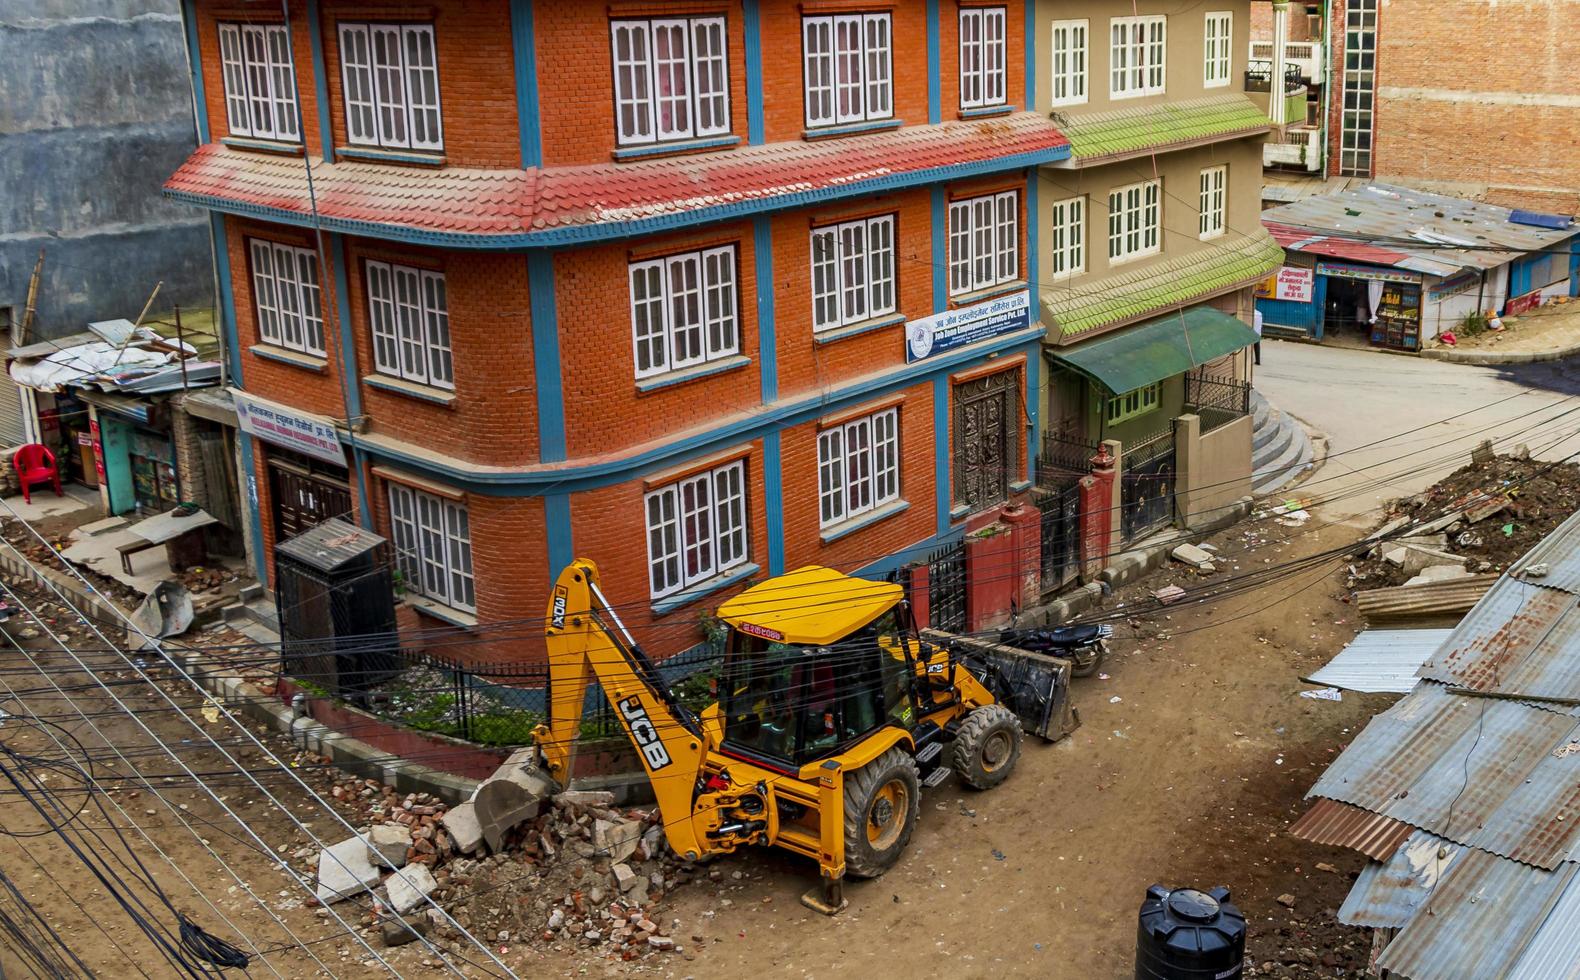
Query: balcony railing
x=1308 y=56
x=1299 y=147
x=1259 y=77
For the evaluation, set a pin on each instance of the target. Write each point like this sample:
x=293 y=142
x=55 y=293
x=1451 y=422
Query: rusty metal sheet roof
x=1560 y=552
x=1449 y=599
x=1389 y=893
x=1486 y=773
x=1381 y=661
x=1343 y=825
x=1554 y=952
x=1483 y=915
x=1520 y=639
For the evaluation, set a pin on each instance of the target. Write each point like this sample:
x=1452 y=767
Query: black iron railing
x=1259 y=77
x=1215 y=401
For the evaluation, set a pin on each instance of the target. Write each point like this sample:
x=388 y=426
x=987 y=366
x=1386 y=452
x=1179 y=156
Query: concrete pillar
x=1275 y=101
x=921 y=598
x=1116 y=498
x=1099 y=511
x=991 y=582
x=1187 y=468
x=1025 y=526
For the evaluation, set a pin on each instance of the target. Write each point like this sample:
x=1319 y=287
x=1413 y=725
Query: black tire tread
x=860 y=787
x=970 y=739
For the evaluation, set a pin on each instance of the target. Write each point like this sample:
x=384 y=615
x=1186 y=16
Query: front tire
x=1087 y=666
x=883 y=801
x=987 y=746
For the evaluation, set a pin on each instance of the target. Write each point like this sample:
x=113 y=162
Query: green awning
x=1157 y=349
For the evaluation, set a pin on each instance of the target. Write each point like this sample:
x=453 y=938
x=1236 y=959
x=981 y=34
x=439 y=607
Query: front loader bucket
x=1033 y=685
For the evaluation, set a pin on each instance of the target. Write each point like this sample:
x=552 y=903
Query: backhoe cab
x=832 y=714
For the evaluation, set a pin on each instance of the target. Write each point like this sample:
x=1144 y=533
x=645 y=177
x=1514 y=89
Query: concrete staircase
x=1280 y=449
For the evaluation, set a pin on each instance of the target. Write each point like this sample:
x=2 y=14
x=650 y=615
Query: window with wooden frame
x=849 y=71
x=1134 y=221
x=1068 y=220
x=858 y=466
x=286 y=295
x=1214 y=181
x=409 y=315
x=984 y=242
x=1137 y=56
x=1070 y=59
x=1217 y=56
x=983 y=83
x=696 y=528
x=671 y=79
x=432 y=536
x=390 y=73
x=684 y=310
x=853 y=277
x=1132 y=404
x=260 y=83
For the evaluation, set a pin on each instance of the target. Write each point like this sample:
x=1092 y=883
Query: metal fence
x=1062 y=456
x=1215 y=401
x=1146 y=487
x=1061 y=532
x=946 y=587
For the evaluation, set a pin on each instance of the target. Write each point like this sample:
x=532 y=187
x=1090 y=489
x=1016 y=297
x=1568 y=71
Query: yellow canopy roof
x=812 y=605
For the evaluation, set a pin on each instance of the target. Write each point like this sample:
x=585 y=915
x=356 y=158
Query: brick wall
x=949 y=52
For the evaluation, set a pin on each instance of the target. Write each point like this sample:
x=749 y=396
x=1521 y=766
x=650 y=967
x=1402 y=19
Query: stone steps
x=1280 y=448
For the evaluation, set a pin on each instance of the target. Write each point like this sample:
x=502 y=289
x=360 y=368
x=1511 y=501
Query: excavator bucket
x=1033 y=685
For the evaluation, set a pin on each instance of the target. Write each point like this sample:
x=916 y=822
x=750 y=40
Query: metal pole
x=181 y=343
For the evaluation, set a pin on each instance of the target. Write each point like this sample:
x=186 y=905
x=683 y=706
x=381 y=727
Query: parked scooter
x=1085 y=646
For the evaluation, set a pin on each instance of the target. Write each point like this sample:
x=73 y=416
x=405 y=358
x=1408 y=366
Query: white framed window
x=696 y=528
x=433 y=546
x=1216 y=48
x=1136 y=57
x=683 y=310
x=390 y=73
x=260 y=84
x=1068 y=219
x=852 y=272
x=1134 y=220
x=285 y=293
x=410 y=319
x=984 y=242
x=671 y=79
x=982 y=57
x=1213 y=181
x=1070 y=60
x=848 y=60
x=1133 y=403
x=858 y=466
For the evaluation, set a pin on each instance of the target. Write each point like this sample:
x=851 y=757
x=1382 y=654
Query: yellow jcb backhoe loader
x=832 y=714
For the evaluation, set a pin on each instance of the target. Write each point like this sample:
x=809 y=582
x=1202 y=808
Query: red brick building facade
x=701 y=290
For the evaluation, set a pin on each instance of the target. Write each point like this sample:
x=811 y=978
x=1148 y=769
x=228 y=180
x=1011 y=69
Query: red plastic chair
x=35 y=464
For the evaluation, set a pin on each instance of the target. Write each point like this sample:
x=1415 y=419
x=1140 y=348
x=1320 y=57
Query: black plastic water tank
x=1187 y=934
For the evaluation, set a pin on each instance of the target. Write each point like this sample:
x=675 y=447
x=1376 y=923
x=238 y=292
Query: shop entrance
x=1383 y=309
x=305 y=492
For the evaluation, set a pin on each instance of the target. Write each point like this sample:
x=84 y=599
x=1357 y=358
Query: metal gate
x=303 y=499
x=946 y=587
x=1146 y=492
x=1061 y=533
x=985 y=416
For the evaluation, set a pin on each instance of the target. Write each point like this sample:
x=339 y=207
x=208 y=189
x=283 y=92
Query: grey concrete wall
x=95 y=113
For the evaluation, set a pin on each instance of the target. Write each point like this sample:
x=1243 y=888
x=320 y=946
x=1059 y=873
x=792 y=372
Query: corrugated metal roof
x=1449 y=599
x=1520 y=639
x=1401 y=216
x=1482 y=916
x=1560 y=552
x=1551 y=954
x=1388 y=893
x=1342 y=825
x=1381 y=661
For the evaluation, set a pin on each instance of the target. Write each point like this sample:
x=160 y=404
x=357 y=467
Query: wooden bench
x=131 y=548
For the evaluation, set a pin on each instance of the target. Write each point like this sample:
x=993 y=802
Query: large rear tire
x=987 y=746
x=883 y=801
x=1086 y=666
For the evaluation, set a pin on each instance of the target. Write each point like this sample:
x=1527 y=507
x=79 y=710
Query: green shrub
x=1471 y=325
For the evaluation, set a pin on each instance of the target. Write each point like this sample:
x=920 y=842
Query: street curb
x=243 y=698
x=1489 y=358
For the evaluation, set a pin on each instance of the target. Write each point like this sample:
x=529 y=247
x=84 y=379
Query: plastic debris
x=1323 y=694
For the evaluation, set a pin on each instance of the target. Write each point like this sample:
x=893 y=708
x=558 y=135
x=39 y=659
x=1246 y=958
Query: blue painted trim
x=1033 y=395
x=364 y=512
x=1030 y=32
x=935 y=101
x=195 y=54
x=1020 y=486
x=410 y=389
x=306 y=362
x=734 y=576
x=815 y=404
x=754 y=73
x=774 y=502
x=941 y=487
x=1034 y=360
x=876 y=126
x=911 y=553
x=263 y=146
x=557 y=528
x=1574 y=267
x=260 y=560
x=767 y=331
x=523 y=39
x=857 y=329
x=371 y=154
x=851 y=527
x=663 y=149
x=546 y=359
x=959 y=511
x=987 y=111
x=348 y=345
x=606 y=231
x=326 y=130
x=686 y=375
x=940 y=251
x=227 y=297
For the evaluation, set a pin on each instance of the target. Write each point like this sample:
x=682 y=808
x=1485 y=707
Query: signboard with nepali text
x=952 y=329
x=1293 y=284
x=312 y=435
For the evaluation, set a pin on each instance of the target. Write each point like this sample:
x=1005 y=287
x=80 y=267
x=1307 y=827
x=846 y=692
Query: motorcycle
x=1085 y=646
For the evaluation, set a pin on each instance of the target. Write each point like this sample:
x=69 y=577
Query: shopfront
x=137 y=454
x=1380 y=305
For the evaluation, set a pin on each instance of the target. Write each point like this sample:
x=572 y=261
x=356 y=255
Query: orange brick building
x=701 y=289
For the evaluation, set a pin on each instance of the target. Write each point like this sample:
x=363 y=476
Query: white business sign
x=1294 y=285
x=942 y=332
x=312 y=435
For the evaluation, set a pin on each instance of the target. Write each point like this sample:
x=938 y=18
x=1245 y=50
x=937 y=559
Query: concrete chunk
x=399 y=931
x=587 y=797
x=344 y=870
x=624 y=878
x=617 y=839
x=409 y=886
x=460 y=822
x=1192 y=556
x=388 y=843
x=1439 y=573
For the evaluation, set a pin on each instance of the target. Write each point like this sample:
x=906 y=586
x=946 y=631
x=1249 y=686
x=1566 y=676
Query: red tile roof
x=482 y=207
x=1304 y=240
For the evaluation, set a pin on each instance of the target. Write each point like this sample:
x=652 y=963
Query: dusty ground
x=1551 y=327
